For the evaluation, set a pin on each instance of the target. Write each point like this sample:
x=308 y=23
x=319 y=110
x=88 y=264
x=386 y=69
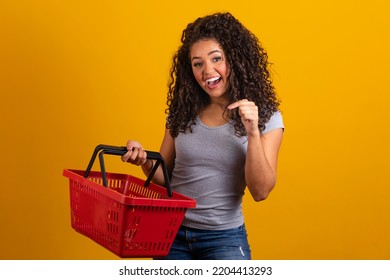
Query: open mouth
x=213 y=81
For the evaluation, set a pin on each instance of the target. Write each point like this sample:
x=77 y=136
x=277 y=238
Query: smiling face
x=210 y=68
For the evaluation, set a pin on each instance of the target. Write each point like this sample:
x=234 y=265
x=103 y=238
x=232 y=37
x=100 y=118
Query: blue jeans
x=198 y=244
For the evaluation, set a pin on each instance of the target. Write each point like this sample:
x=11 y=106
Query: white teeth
x=209 y=81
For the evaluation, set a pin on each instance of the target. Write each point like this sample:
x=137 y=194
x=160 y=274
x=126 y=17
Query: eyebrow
x=210 y=53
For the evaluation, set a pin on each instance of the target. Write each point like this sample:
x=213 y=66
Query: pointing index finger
x=236 y=104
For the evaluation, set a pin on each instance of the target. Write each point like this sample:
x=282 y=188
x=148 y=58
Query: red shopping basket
x=129 y=216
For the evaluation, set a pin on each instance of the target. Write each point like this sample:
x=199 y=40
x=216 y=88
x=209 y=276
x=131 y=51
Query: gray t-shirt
x=210 y=168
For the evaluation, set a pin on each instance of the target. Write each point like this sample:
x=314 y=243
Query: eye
x=217 y=58
x=197 y=64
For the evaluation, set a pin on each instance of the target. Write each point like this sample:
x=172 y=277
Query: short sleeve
x=275 y=122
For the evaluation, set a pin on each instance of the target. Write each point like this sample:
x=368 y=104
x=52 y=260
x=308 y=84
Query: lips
x=213 y=82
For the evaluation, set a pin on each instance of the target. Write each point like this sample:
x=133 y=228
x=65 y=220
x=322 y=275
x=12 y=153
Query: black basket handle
x=120 y=151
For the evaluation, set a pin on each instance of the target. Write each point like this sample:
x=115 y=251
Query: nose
x=208 y=68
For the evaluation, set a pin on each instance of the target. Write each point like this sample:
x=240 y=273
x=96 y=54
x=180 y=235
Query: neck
x=221 y=102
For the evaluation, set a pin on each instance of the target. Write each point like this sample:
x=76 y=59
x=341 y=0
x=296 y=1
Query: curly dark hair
x=249 y=74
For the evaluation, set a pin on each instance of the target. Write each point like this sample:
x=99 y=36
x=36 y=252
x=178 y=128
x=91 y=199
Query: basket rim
x=177 y=199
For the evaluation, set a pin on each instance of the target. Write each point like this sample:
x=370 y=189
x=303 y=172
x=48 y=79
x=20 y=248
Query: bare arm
x=136 y=155
x=167 y=151
x=262 y=153
x=261 y=163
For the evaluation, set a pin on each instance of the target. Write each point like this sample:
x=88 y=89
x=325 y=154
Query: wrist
x=147 y=165
x=254 y=134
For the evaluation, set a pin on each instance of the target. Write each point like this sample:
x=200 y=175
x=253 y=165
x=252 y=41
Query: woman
x=223 y=133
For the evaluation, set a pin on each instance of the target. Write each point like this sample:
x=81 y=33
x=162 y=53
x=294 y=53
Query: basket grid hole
x=147 y=246
x=113 y=215
x=173 y=221
x=136 y=190
x=169 y=234
x=96 y=180
x=115 y=184
x=136 y=220
x=112 y=228
x=130 y=234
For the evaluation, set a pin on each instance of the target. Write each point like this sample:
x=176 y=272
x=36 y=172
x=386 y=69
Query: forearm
x=259 y=175
x=158 y=177
x=138 y=156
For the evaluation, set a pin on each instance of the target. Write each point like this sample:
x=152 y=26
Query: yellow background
x=74 y=74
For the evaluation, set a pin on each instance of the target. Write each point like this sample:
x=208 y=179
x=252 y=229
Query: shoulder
x=275 y=122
